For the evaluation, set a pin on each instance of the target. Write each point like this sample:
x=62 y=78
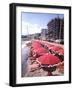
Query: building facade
x=44 y=34
x=56 y=29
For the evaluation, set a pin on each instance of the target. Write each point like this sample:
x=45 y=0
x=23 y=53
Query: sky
x=33 y=22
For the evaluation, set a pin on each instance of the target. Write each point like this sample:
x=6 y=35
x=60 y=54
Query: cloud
x=28 y=28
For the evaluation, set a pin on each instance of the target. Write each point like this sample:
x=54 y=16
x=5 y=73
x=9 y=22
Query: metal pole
x=27 y=32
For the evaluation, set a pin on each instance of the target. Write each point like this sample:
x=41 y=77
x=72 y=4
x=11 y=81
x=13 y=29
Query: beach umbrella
x=40 y=51
x=36 y=41
x=48 y=45
x=55 y=48
x=35 y=45
x=61 y=51
x=48 y=59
